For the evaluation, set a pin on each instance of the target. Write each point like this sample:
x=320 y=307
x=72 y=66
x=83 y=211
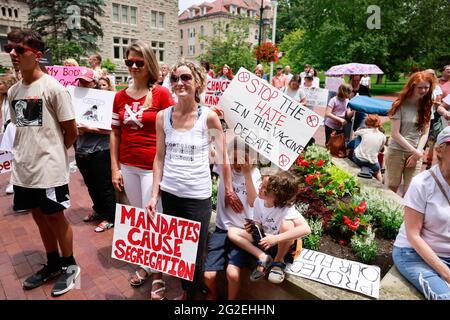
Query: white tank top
x=186 y=171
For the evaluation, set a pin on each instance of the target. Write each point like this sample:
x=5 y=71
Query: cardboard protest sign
x=165 y=243
x=333 y=83
x=337 y=272
x=67 y=76
x=316 y=97
x=6 y=159
x=214 y=90
x=270 y=122
x=93 y=107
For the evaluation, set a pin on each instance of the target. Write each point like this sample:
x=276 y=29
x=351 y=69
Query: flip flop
x=154 y=293
x=141 y=280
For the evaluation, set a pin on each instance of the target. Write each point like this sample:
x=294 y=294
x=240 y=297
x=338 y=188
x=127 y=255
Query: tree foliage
x=412 y=33
x=230 y=46
x=67 y=23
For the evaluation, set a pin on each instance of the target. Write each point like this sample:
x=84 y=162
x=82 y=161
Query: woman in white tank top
x=181 y=166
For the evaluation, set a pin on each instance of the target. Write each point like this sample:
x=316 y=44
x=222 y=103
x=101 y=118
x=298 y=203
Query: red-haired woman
x=410 y=115
x=226 y=73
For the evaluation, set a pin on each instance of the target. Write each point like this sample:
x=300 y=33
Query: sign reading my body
x=157 y=242
x=268 y=117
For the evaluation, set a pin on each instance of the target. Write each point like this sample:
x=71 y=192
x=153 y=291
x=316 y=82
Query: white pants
x=138 y=187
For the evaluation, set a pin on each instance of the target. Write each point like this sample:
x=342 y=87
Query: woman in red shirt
x=133 y=137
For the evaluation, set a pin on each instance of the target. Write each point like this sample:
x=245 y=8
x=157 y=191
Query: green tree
x=230 y=46
x=109 y=65
x=67 y=23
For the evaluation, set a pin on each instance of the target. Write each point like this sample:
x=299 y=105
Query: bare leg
x=47 y=234
x=378 y=176
x=233 y=276
x=63 y=231
x=210 y=282
x=244 y=240
x=283 y=247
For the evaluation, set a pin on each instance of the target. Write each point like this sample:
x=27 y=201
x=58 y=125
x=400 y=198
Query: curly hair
x=284 y=187
x=425 y=103
x=199 y=76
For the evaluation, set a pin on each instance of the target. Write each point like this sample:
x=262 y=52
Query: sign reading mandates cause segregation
x=270 y=122
x=165 y=243
x=346 y=274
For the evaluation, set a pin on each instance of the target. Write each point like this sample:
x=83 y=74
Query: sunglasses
x=20 y=49
x=130 y=63
x=184 y=77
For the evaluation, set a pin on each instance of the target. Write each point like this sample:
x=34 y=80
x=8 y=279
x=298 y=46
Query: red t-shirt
x=138 y=126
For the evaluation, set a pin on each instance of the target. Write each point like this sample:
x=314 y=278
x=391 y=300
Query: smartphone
x=257 y=231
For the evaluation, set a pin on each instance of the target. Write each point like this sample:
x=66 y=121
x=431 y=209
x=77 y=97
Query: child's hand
x=248 y=227
x=268 y=241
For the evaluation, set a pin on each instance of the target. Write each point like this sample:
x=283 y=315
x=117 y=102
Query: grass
x=387 y=126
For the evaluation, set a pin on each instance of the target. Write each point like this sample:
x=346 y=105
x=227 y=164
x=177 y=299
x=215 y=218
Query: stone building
x=153 y=21
x=200 y=20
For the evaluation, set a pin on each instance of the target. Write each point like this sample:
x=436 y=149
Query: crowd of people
x=158 y=151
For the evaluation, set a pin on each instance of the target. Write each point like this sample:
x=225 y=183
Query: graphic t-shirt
x=40 y=156
x=271 y=218
x=226 y=217
x=138 y=126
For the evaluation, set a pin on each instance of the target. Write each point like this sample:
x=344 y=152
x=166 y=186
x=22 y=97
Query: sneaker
x=66 y=280
x=9 y=189
x=40 y=277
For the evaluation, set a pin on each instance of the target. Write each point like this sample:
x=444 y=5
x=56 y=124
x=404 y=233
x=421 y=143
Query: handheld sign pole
x=269 y=121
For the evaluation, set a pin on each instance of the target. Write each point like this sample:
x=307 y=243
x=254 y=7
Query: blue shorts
x=374 y=167
x=221 y=252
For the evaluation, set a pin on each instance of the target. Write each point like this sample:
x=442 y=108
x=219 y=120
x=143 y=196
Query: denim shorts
x=374 y=167
x=221 y=252
x=411 y=265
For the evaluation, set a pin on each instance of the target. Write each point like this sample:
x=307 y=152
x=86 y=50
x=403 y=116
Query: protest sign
x=316 y=97
x=214 y=90
x=67 y=76
x=333 y=83
x=270 y=122
x=165 y=243
x=6 y=159
x=337 y=272
x=93 y=107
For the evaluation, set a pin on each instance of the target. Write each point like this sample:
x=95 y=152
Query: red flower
x=341 y=186
x=362 y=207
x=304 y=163
x=330 y=192
x=320 y=162
x=341 y=242
x=309 y=179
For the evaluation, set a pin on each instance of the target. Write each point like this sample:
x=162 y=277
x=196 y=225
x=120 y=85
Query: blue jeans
x=411 y=265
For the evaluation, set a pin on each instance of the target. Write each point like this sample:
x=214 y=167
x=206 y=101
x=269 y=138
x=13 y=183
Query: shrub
x=342 y=182
x=312 y=241
x=316 y=152
x=349 y=219
x=364 y=246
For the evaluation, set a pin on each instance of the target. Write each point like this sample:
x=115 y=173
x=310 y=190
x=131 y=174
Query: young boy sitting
x=282 y=225
x=221 y=252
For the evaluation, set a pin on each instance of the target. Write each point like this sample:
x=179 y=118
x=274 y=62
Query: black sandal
x=257 y=274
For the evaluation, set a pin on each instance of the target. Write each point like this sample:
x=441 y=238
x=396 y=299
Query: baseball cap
x=444 y=136
x=279 y=66
x=309 y=75
x=86 y=74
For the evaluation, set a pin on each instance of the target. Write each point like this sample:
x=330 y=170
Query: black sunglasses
x=130 y=63
x=184 y=77
x=18 y=48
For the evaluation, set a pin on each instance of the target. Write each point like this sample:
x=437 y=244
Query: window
x=124 y=14
x=191 y=13
x=120 y=47
x=4 y=11
x=3 y=41
x=202 y=30
x=192 y=50
x=181 y=50
x=181 y=33
x=256 y=34
x=133 y=15
x=16 y=14
x=158 y=48
x=116 y=13
x=158 y=19
x=10 y=12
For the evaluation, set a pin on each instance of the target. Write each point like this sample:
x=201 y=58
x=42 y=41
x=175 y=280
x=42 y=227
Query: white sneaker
x=9 y=189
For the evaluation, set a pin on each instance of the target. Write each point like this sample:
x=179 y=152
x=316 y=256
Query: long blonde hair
x=151 y=63
x=9 y=80
x=198 y=74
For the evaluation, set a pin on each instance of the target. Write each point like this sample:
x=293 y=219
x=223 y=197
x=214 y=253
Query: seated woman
x=422 y=249
x=372 y=143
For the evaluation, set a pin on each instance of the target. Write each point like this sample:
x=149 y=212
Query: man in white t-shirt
x=44 y=116
x=422 y=248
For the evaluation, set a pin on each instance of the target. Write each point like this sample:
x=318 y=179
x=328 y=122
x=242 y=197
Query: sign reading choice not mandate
x=270 y=122
x=165 y=243
x=346 y=274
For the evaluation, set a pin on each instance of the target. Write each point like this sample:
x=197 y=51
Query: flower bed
x=346 y=220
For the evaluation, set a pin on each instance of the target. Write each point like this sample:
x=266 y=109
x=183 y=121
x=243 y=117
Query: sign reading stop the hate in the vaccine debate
x=165 y=243
x=270 y=122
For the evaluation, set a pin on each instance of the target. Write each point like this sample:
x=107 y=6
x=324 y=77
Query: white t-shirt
x=372 y=141
x=447 y=99
x=40 y=156
x=424 y=196
x=297 y=95
x=271 y=218
x=226 y=217
x=365 y=81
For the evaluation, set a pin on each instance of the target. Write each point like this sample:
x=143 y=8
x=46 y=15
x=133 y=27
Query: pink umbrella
x=353 y=68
